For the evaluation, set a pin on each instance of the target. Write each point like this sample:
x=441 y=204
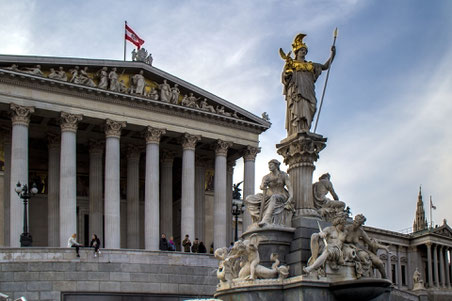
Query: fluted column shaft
x=435 y=265
x=53 y=191
x=166 y=217
x=112 y=184
x=151 y=192
x=429 y=262
x=442 y=267
x=220 y=193
x=249 y=178
x=200 y=171
x=133 y=197
x=20 y=117
x=6 y=187
x=188 y=185
x=96 y=204
x=229 y=179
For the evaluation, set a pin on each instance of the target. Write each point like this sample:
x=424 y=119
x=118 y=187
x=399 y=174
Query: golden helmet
x=298 y=43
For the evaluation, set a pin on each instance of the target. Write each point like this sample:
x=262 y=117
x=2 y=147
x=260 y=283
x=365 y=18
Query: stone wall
x=45 y=273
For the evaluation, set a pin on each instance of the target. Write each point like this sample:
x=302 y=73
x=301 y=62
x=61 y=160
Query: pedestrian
x=186 y=243
x=95 y=243
x=171 y=245
x=163 y=245
x=202 y=248
x=194 y=247
x=72 y=243
x=211 y=248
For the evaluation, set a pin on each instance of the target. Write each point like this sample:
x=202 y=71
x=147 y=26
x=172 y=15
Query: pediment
x=443 y=230
x=134 y=81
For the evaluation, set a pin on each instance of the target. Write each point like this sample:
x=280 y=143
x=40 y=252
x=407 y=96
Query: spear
x=326 y=82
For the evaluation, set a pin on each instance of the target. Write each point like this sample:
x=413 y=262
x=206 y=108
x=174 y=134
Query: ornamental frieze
x=21 y=114
x=69 y=122
x=113 y=128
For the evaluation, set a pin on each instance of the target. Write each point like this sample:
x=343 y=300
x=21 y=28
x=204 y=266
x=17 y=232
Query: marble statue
x=333 y=238
x=418 y=283
x=13 y=67
x=62 y=74
x=154 y=94
x=275 y=205
x=138 y=83
x=220 y=110
x=265 y=116
x=85 y=79
x=298 y=78
x=241 y=262
x=52 y=74
x=103 y=78
x=113 y=77
x=364 y=247
x=206 y=107
x=165 y=91
x=345 y=245
x=142 y=56
x=327 y=207
x=175 y=94
x=190 y=101
x=36 y=70
x=74 y=75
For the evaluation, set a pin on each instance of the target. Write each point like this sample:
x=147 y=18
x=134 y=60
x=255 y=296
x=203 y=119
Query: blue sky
x=388 y=103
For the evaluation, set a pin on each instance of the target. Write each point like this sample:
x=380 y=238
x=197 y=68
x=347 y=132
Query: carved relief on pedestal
x=189 y=141
x=221 y=147
x=113 y=128
x=153 y=135
x=21 y=114
x=68 y=122
x=251 y=152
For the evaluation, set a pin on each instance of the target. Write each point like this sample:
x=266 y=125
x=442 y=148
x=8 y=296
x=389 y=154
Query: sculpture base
x=302 y=288
x=277 y=240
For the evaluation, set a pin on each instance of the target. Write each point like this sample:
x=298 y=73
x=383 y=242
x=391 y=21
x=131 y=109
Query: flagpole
x=326 y=82
x=124 y=37
x=431 y=218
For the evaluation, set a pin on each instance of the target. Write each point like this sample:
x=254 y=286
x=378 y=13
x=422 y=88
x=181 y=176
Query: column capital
x=113 y=128
x=133 y=152
x=221 y=147
x=96 y=146
x=428 y=244
x=189 y=141
x=250 y=153
x=68 y=122
x=20 y=114
x=167 y=157
x=53 y=141
x=153 y=135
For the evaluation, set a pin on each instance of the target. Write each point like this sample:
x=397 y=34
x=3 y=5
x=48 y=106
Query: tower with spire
x=420 y=223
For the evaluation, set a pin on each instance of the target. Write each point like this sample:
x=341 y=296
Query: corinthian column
x=435 y=264
x=68 y=174
x=429 y=263
x=7 y=185
x=200 y=172
x=188 y=185
x=219 y=203
x=249 y=159
x=166 y=187
x=442 y=267
x=20 y=116
x=96 y=204
x=229 y=179
x=112 y=192
x=151 y=192
x=53 y=191
x=133 y=197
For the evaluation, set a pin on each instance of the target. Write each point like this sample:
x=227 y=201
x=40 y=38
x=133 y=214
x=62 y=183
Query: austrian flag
x=133 y=37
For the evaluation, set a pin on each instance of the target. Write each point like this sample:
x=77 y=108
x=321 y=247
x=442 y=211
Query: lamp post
x=25 y=194
x=237 y=209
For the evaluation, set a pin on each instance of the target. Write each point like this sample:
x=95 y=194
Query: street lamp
x=237 y=209
x=25 y=194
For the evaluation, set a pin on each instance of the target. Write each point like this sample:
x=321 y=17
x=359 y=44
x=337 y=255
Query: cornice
x=106 y=96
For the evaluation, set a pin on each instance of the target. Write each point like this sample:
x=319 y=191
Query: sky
x=388 y=104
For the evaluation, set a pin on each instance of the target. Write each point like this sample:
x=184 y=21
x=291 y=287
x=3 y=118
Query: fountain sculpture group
x=301 y=244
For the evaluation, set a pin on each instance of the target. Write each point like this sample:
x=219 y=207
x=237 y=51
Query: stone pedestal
x=277 y=239
x=300 y=151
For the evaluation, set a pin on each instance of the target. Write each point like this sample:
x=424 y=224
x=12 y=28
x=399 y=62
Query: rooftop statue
x=142 y=56
x=298 y=78
x=275 y=204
